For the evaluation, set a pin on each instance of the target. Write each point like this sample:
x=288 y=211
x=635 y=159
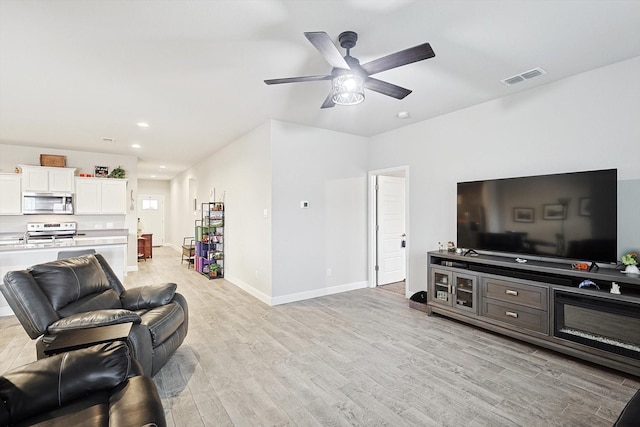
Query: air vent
x=527 y=75
x=108 y=139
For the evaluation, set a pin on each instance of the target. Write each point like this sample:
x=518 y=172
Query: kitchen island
x=15 y=254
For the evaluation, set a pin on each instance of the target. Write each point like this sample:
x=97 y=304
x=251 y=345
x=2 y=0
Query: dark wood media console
x=543 y=302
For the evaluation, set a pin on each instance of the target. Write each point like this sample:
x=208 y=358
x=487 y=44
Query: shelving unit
x=209 y=236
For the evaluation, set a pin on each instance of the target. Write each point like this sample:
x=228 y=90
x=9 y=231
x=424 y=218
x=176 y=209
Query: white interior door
x=391 y=229
x=151 y=214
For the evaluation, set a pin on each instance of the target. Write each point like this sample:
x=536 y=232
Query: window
x=149 y=204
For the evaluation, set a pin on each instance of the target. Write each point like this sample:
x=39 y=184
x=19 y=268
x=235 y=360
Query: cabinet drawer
x=519 y=293
x=516 y=315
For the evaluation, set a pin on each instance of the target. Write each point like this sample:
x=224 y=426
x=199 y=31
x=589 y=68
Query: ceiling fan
x=349 y=77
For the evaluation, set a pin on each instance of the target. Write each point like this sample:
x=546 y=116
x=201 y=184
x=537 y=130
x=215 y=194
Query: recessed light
x=162 y=166
x=143 y=124
x=403 y=115
x=153 y=176
x=135 y=145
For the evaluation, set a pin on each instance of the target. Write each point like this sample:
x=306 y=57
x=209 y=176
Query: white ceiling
x=73 y=72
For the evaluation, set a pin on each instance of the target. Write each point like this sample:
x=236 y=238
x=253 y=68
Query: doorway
x=388 y=232
x=151 y=214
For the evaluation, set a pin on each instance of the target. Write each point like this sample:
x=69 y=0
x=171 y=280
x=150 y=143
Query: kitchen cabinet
x=10 y=202
x=101 y=196
x=47 y=179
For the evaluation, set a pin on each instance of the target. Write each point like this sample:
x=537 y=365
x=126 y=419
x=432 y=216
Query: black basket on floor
x=419 y=301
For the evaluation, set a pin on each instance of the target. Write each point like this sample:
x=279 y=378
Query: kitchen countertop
x=66 y=243
x=13 y=241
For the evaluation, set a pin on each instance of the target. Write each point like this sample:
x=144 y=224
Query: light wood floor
x=397 y=287
x=360 y=358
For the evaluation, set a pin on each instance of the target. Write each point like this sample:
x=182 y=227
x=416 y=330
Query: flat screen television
x=568 y=215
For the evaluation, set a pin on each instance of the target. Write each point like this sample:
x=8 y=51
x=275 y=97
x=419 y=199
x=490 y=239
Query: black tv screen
x=570 y=215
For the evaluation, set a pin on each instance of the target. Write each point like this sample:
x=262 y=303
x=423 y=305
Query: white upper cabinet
x=88 y=196
x=10 y=199
x=101 y=196
x=47 y=179
x=114 y=196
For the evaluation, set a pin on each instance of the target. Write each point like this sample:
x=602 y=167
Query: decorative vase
x=632 y=269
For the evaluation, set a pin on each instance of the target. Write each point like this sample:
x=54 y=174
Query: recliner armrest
x=92 y=319
x=49 y=383
x=630 y=415
x=148 y=296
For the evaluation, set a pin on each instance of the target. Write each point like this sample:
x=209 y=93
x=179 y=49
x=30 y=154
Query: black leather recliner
x=94 y=386
x=83 y=292
x=630 y=415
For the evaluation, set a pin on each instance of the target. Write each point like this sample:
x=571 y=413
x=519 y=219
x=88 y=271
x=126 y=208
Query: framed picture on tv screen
x=523 y=214
x=555 y=211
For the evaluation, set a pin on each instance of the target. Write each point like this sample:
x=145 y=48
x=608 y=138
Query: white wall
x=13 y=155
x=327 y=169
x=589 y=121
x=242 y=170
x=274 y=249
x=154 y=187
x=147 y=187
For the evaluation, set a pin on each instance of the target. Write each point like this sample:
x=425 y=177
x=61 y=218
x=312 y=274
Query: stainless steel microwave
x=47 y=203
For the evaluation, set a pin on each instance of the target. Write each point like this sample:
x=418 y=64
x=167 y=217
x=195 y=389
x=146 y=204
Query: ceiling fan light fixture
x=348 y=77
x=347 y=89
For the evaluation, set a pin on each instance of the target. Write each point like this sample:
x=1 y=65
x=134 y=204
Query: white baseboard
x=300 y=296
x=284 y=299
x=248 y=288
x=6 y=311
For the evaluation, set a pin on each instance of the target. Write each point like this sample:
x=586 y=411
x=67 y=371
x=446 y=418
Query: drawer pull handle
x=510 y=292
x=511 y=314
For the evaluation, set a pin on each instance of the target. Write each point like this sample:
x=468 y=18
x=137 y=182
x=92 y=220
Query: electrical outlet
x=304 y=204
x=329 y=272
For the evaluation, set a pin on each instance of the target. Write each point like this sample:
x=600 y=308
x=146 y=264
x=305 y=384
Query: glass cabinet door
x=465 y=291
x=442 y=287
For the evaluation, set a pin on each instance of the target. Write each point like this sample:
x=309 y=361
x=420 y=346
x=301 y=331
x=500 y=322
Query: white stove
x=51 y=230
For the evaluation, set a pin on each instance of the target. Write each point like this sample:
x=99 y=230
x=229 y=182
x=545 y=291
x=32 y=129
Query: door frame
x=372 y=211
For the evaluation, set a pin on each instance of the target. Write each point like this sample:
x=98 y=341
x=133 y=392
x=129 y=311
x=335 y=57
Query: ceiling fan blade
x=386 y=88
x=321 y=41
x=328 y=102
x=403 y=57
x=297 y=79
